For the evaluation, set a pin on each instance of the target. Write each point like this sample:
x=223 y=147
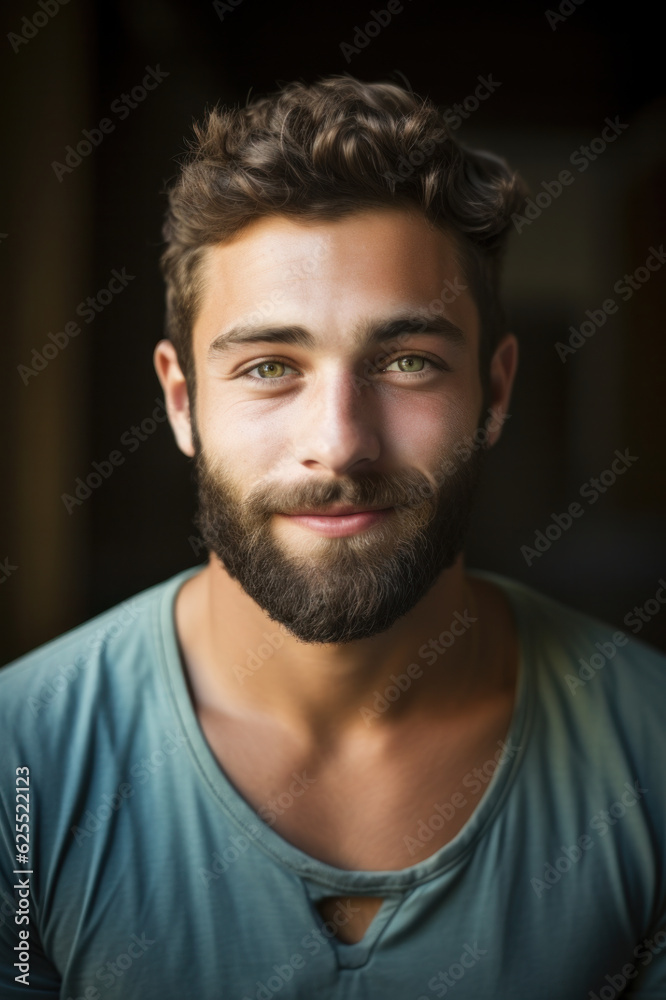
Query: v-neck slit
x=353 y=955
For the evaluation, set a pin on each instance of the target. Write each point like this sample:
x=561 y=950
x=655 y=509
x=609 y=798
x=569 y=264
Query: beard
x=344 y=588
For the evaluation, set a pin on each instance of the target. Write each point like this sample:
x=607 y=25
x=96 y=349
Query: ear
x=503 y=367
x=175 y=394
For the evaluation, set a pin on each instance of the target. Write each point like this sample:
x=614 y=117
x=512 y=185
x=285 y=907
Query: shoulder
x=549 y=618
x=596 y=697
x=585 y=658
x=49 y=682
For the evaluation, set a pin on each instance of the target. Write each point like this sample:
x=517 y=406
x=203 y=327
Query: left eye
x=270 y=369
x=408 y=361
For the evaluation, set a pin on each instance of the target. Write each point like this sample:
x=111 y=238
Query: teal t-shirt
x=147 y=875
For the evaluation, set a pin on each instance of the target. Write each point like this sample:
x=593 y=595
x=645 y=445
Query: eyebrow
x=369 y=333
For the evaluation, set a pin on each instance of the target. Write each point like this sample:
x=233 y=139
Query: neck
x=434 y=658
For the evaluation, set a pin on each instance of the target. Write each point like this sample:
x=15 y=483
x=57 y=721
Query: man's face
x=350 y=378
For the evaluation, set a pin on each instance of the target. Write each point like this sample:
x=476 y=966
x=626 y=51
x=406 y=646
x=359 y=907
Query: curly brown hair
x=323 y=151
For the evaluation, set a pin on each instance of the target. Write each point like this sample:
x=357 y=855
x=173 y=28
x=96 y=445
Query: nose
x=338 y=427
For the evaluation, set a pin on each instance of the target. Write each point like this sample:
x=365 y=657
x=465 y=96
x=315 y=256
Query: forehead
x=329 y=273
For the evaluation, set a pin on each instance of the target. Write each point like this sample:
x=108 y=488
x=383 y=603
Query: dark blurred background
x=63 y=232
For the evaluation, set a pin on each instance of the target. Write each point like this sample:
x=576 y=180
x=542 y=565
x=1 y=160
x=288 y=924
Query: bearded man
x=331 y=761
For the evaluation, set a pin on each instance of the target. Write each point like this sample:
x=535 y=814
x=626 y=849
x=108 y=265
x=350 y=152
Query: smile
x=336 y=525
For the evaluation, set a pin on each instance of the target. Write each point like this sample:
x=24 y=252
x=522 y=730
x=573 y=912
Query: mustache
x=408 y=489
x=373 y=490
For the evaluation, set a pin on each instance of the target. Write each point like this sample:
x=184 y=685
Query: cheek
x=250 y=438
x=419 y=430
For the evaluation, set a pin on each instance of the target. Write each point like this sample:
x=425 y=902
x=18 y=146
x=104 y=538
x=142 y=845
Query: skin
x=302 y=707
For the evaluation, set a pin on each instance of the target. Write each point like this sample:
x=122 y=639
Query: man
x=331 y=762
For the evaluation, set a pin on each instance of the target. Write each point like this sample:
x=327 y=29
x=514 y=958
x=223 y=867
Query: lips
x=335 y=510
x=337 y=520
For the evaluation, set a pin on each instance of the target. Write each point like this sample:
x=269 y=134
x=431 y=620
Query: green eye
x=270 y=369
x=410 y=363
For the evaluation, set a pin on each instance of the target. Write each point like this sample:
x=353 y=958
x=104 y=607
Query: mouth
x=335 y=510
x=339 y=519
